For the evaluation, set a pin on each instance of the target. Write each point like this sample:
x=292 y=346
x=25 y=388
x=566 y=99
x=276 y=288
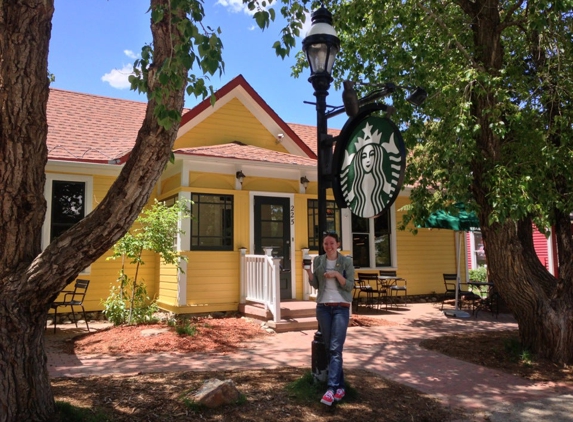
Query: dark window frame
x=61 y=213
x=361 y=240
x=333 y=221
x=226 y=230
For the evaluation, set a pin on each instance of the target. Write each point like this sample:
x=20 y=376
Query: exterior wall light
x=240 y=176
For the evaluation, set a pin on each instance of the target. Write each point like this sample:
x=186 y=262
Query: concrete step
x=298 y=324
x=296 y=315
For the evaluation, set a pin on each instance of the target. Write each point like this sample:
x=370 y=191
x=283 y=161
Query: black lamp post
x=321 y=46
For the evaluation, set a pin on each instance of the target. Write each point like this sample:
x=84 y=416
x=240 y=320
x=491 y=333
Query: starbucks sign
x=370 y=160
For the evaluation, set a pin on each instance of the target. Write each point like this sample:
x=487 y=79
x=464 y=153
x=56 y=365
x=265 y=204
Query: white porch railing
x=308 y=291
x=260 y=281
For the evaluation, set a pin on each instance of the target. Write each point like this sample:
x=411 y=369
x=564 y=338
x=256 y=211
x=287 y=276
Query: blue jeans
x=333 y=323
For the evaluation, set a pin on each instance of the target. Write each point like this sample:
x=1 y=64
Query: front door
x=272 y=229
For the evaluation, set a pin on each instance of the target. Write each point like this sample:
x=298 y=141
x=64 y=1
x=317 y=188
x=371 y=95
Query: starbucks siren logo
x=373 y=165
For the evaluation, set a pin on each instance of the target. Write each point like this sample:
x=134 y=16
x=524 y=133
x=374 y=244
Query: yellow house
x=252 y=180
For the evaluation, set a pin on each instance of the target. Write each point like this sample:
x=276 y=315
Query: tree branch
x=460 y=47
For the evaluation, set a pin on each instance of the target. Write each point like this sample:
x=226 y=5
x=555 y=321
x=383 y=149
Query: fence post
x=242 y=275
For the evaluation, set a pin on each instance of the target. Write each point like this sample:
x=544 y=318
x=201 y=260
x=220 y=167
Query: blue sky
x=94 y=43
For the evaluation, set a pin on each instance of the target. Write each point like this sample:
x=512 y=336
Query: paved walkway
x=391 y=351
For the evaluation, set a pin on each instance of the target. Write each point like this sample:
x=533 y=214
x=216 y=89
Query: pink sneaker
x=328 y=398
x=339 y=395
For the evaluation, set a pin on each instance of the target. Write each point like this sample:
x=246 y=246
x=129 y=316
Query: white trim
x=346 y=229
x=550 y=260
x=290 y=197
x=50 y=178
x=91 y=169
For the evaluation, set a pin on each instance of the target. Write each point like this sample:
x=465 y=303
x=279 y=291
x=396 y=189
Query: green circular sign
x=372 y=166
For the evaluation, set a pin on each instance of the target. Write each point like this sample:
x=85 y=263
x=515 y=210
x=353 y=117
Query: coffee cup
x=306 y=263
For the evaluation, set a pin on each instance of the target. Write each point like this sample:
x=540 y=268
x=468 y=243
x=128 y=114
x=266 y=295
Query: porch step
x=296 y=315
x=298 y=324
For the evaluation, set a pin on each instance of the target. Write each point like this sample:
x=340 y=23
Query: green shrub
x=155 y=230
x=186 y=329
x=478 y=274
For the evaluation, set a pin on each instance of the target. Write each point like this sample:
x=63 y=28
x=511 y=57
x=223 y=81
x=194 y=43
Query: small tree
x=156 y=231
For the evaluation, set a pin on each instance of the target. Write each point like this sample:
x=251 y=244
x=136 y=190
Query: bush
x=479 y=274
x=155 y=230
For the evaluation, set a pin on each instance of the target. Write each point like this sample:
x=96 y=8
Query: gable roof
x=97 y=129
x=238 y=88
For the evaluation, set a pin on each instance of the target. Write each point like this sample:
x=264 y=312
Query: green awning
x=464 y=221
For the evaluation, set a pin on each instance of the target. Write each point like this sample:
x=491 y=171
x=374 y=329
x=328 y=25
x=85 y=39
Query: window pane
x=68 y=206
x=332 y=221
x=361 y=235
x=360 y=250
x=382 y=239
x=212 y=223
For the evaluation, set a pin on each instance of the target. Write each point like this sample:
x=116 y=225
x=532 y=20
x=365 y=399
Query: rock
x=215 y=393
x=150 y=332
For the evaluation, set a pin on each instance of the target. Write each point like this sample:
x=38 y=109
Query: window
x=68 y=206
x=478 y=253
x=69 y=200
x=212 y=222
x=332 y=221
x=371 y=241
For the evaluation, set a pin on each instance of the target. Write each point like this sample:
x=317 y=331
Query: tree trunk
x=542 y=305
x=26 y=393
x=30 y=279
x=545 y=318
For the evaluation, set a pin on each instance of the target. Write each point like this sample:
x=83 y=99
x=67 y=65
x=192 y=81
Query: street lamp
x=321 y=46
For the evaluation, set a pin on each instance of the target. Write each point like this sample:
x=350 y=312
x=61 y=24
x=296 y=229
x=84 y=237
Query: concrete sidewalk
x=391 y=351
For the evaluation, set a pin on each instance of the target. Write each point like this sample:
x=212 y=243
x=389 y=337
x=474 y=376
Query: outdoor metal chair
x=72 y=298
x=373 y=294
x=399 y=285
x=464 y=296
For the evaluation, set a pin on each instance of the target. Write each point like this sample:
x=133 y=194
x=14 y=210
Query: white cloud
x=235 y=6
x=130 y=54
x=117 y=78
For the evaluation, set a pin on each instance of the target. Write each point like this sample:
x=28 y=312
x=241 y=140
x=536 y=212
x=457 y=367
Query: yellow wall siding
x=232 y=122
x=242 y=220
x=212 y=180
x=424 y=257
x=170 y=183
x=167 y=292
x=267 y=184
x=213 y=279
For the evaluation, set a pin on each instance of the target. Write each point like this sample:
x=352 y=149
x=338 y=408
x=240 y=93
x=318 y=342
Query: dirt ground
x=162 y=397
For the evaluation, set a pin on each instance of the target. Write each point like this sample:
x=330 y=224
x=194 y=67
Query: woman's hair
x=334 y=235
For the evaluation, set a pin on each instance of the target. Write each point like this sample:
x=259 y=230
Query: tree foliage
x=495 y=132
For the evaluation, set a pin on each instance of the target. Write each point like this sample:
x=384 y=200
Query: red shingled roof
x=238 y=150
x=85 y=127
x=91 y=128
x=308 y=134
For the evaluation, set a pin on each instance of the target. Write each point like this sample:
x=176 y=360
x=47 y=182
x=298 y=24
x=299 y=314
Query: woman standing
x=333 y=276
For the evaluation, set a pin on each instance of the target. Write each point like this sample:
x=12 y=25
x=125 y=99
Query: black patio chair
x=72 y=298
x=398 y=285
x=465 y=297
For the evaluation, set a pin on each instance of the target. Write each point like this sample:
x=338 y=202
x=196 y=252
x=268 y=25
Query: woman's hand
x=335 y=274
